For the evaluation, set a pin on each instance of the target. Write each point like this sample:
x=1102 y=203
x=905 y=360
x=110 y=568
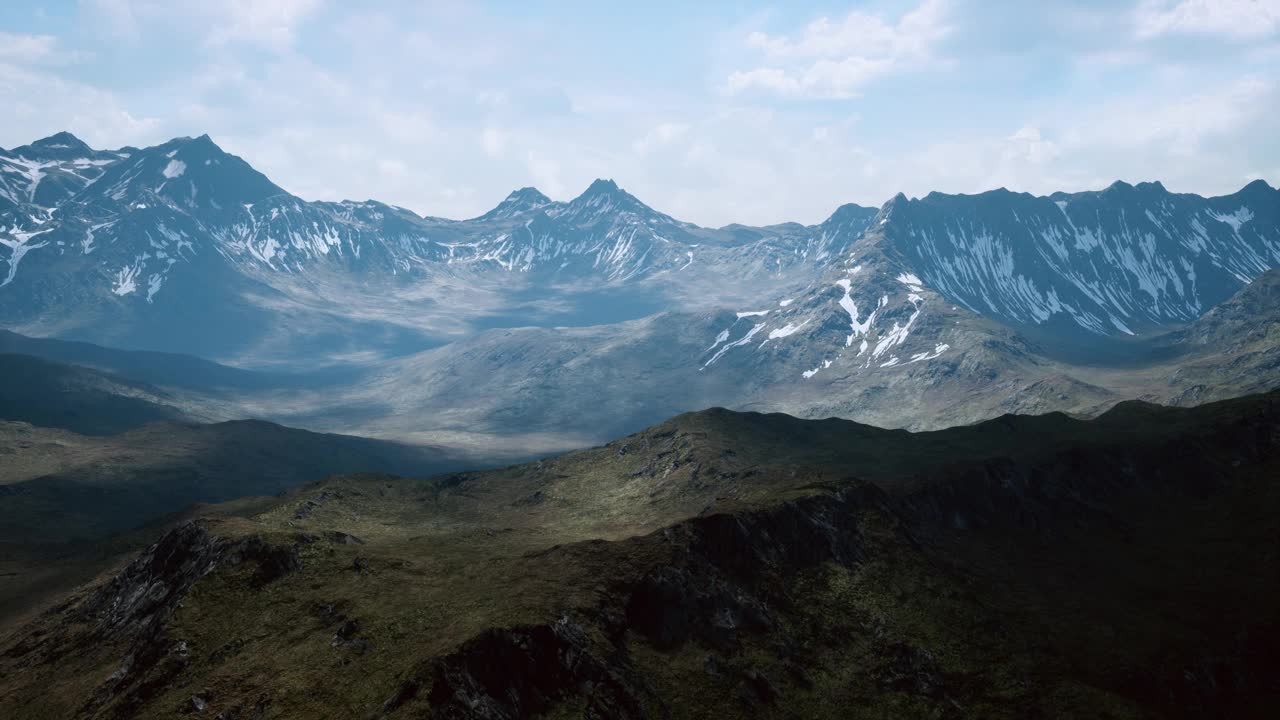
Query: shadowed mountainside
x=57 y=485
x=51 y=394
x=720 y=563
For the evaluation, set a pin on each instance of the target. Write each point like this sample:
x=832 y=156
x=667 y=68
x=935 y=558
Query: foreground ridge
x=744 y=563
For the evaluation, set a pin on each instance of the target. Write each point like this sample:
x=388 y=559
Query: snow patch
x=724 y=335
x=937 y=350
x=18 y=247
x=1235 y=219
x=846 y=302
x=810 y=373
x=737 y=343
x=1120 y=326
x=126 y=280
x=153 y=285
x=786 y=330
x=174 y=169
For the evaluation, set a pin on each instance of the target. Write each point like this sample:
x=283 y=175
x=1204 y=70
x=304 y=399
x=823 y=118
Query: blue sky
x=713 y=112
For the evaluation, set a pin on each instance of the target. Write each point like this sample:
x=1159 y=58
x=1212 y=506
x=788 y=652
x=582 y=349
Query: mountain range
x=922 y=313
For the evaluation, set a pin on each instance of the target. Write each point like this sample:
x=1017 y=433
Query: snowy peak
x=1117 y=261
x=37 y=177
x=604 y=201
x=519 y=202
x=527 y=197
x=192 y=173
x=59 y=146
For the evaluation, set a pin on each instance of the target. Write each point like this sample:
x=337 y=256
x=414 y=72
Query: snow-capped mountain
x=43 y=174
x=1121 y=260
x=122 y=246
x=1083 y=267
x=518 y=204
x=161 y=246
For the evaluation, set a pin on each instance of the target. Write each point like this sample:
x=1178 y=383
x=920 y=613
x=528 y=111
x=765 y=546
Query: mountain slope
x=909 y=359
x=163 y=369
x=717 y=563
x=58 y=485
x=50 y=394
x=1127 y=256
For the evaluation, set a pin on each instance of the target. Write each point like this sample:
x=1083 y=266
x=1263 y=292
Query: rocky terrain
x=742 y=565
x=563 y=388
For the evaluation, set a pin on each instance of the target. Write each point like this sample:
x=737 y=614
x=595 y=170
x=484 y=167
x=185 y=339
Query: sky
x=750 y=112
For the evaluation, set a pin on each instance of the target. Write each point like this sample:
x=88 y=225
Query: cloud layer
x=715 y=114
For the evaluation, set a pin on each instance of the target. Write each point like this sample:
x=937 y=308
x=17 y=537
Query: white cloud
x=1028 y=145
x=837 y=59
x=1234 y=18
x=27 y=49
x=545 y=172
x=1198 y=143
x=446 y=107
x=268 y=24
x=662 y=134
x=1179 y=125
x=115 y=16
x=493 y=141
x=861 y=33
x=39 y=103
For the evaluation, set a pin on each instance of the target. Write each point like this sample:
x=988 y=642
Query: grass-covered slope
x=56 y=485
x=51 y=394
x=719 y=564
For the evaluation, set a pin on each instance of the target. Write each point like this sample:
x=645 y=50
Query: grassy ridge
x=719 y=563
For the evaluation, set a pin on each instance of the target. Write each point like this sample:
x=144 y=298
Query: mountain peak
x=61 y=140
x=528 y=195
x=604 y=198
x=850 y=212
x=518 y=202
x=61 y=146
x=193 y=172
x=900 y=198
x=1258 y=185
x=601 y=187
x=202 y=142
x=601 y=191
